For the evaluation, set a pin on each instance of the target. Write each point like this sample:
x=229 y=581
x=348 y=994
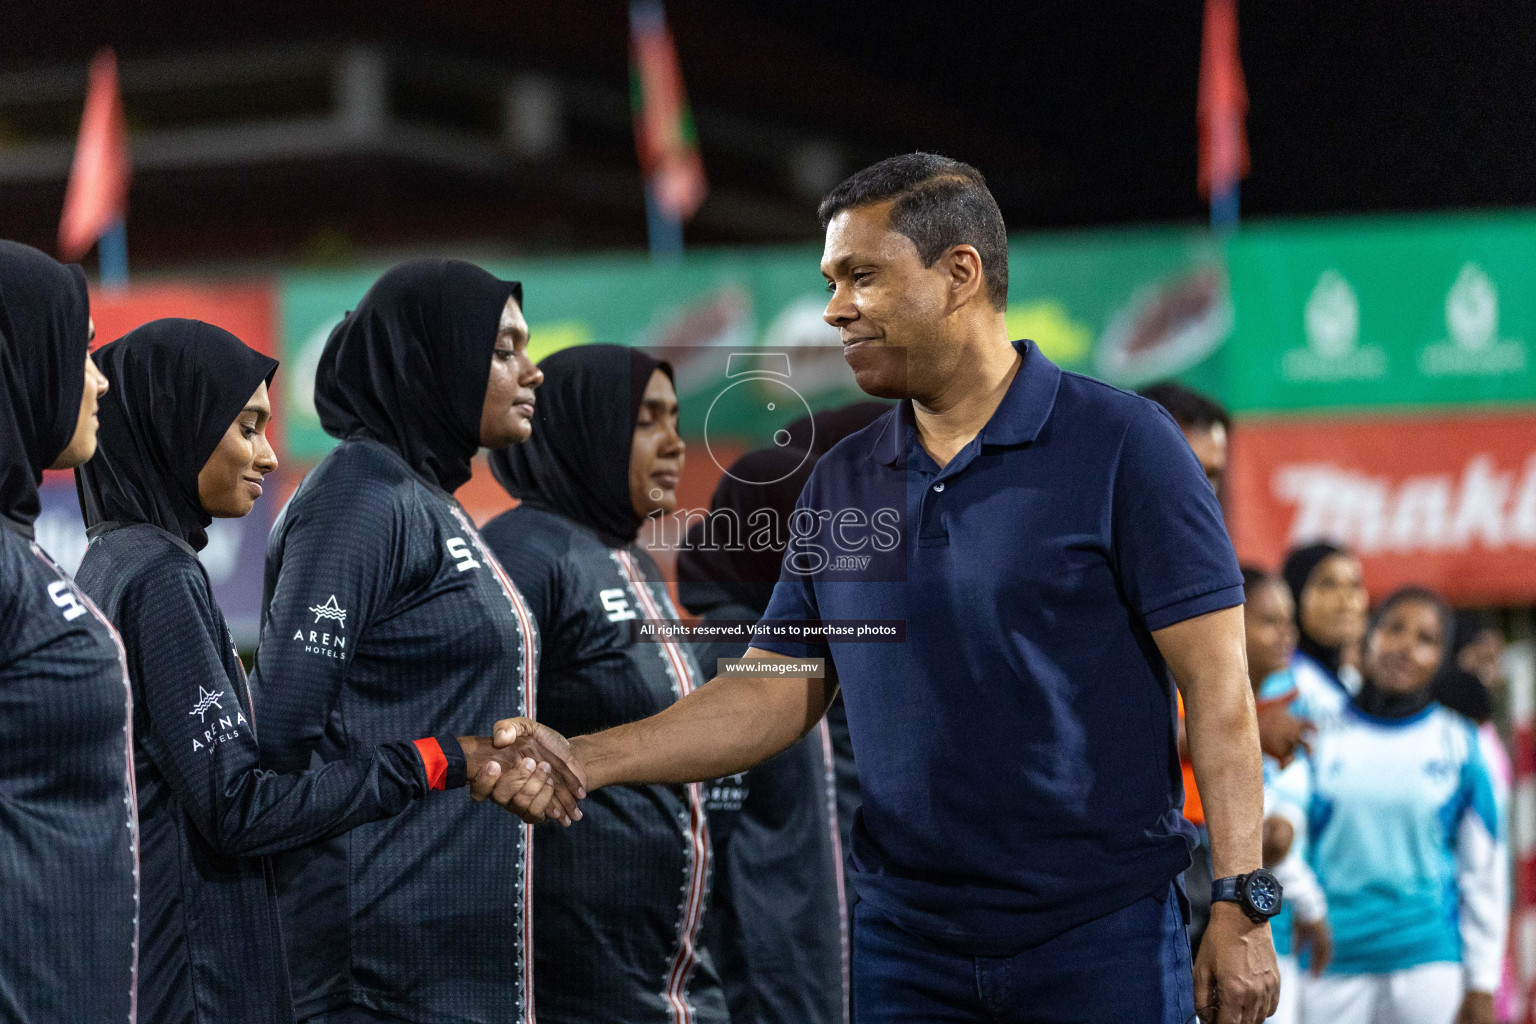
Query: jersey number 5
x=460 y=550
x=66 y=599
x=615 y=605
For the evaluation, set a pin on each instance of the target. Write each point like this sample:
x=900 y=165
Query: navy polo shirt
x=1017 y=752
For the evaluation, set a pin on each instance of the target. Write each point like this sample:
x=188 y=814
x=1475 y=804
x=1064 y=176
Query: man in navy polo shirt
x=1061 y=561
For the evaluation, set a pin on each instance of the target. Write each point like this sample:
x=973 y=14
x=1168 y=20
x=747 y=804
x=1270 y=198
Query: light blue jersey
x=1321 y=696
x=1278 y=687
x=1405 y=839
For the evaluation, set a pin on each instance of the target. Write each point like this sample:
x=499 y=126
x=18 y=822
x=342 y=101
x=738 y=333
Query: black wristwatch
x=1257 y=892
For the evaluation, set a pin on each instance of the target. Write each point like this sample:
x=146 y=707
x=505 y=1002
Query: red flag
x=98 y=181
x=1223 y=102
x=664 y=133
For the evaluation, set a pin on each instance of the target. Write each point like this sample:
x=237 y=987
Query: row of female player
x=1386 y=829
x=181 y=844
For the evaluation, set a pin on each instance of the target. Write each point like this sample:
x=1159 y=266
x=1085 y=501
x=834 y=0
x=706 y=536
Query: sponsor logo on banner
x=1377 y=512
x=1472 y=346
x=1450 y=503
x=1331 y=319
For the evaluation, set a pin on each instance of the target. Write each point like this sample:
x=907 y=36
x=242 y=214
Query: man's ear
x=965 y=273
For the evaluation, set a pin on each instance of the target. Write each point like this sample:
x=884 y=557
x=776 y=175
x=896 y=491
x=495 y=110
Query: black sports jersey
x=212 y=948
x=387 y=616
x=68 y=822
x=68 y=829
x=777 y=925
x=619 y=898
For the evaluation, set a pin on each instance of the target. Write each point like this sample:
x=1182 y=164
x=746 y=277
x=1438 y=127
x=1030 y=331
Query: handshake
x=527 y=768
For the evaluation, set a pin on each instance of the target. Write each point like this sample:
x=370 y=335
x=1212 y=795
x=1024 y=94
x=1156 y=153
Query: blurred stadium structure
x=1381 y=368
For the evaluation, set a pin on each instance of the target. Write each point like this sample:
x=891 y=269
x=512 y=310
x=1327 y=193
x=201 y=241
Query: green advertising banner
x=1420 y=312
x=1360 y=314
x=1129 y=307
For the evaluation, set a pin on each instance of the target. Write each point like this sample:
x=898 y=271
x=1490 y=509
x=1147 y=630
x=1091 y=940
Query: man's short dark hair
x=1189 y=408
x=940 y=203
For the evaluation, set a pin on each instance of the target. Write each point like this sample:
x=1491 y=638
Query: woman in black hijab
x=618 y=902
x=386 y=615
x=1326 y=583
x=778 y=924
x=68 y=821
x=183 y=440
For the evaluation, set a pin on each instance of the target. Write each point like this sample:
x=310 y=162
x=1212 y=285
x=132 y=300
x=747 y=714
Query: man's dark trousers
x=1129 y=967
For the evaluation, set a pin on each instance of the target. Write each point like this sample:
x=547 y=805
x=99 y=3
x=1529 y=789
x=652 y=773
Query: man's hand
x=527 y=739
x=1318 y=937
x=1476 y=1008
x=1236 y=978
x=524 y=768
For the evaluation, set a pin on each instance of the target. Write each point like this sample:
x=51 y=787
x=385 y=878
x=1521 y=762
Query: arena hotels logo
x=1331 y=319
x=322 y=641
x=1472 y=346
x=1440 y=512
x=225 y=726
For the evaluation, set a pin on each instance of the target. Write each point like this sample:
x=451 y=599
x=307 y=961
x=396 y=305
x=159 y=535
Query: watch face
x=1264 y=894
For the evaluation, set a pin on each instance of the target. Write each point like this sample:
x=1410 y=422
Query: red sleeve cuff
x=435 y=762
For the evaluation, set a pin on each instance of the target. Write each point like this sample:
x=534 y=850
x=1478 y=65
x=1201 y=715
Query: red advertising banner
x=1448 y=502
x=248 y=310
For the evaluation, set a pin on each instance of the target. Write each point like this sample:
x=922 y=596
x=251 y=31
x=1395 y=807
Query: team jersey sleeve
x=329 y=567
x=1171 y=553
x=1289 y=796
x=1277 y=688
x=1482 y=875
x=201 y=740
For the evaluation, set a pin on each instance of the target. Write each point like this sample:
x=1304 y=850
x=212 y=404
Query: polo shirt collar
x=1018 y=419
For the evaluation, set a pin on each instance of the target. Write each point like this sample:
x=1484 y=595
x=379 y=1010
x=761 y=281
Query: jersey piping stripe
x=524 y=618
x=825 y=733
x=698 y=831
x=132 y=797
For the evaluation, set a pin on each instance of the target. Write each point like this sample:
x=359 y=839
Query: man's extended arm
x=1235 y=975
x=724 y=727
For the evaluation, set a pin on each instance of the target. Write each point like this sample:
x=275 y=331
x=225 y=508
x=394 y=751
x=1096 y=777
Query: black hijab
x=1384 y=704
x=1299 y=566
x=576 y=464
x=44 y=335
x=1456 y=688
x=176 y=386
x=723 y=570
x=409 y=366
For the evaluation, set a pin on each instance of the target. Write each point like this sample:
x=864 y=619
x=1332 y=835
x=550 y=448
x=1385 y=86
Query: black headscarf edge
x=171 y=380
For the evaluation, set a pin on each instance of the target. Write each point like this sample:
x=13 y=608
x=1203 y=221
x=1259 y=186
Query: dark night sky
x=1080 y=113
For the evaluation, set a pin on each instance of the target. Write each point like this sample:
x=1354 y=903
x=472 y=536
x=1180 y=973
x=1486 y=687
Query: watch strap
x=1228 y=890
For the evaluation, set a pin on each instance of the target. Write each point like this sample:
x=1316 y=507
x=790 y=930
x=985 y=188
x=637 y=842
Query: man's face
x=1210 y=446
x=891 y=311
